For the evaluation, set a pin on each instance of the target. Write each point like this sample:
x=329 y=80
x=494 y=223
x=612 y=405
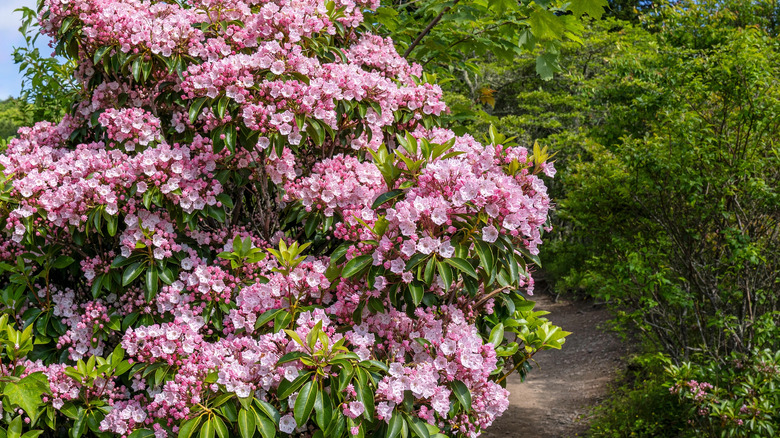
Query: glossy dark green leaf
x=462 y=265
x=222 y=106
x=286 y=387
x=196 y=107
x=395 y=426
x=462 y=393
x=220 y=427
x=141 y=433
x=304 y=403
x=418 y=426
x=132 y=272
x=265 y=426
x=323 y=410
x=246 y=423
x=292 y=357
x=356 y=265
x=208 y=429
x=445 y=272
x=99 y=53
x=497 y=335
x=385 y=197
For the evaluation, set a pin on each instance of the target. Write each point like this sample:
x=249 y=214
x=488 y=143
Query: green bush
x=678 y=217
x=641 y=406
x=737 y=398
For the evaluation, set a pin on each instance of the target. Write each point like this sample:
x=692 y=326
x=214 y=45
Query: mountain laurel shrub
x=250 y=223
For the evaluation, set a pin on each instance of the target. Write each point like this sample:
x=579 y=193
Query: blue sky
x=10 y=80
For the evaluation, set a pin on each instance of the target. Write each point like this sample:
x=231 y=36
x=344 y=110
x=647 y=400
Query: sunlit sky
x=10 y=79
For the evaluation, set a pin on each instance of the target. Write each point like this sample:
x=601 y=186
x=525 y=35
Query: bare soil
x=558 y=395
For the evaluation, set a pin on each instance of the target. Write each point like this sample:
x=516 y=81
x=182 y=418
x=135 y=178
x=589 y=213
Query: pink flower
x=489 y=234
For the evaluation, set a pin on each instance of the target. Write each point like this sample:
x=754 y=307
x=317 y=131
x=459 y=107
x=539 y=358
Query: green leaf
x=151 y=283
x=113 y=223
x=15 y=427
x=291 y=357
x=304 y=403
x=356 y=265
x=497 y=335
x=385 y=197
x=547 y=65
x=63 y=262
x=195 y=108
x=27 y=393
x=315 y=131
x=445 y=272
x=220 y=427
x=246 y=423
x=146 y=68
x=207 y=431
x=230 y=140
x=485 y=256
x=323 y=410
x=462 y=394
x=545 y=25
x=141 y=433
x=265 y=426
x=266 y=317
x=222 y=106
x=415 y=260
x=286 y=387
x=132 y=272
x=594 y=8
x=79 y=425
x=99 y=53
x=416 y=290
x=534 y=258
x=269 y=410
x=428 y=273
x=137 y=69
x=395 y=426
x=418 y=426
x=462 y=265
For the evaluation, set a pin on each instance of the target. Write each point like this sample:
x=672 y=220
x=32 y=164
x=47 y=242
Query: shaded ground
x=567 y=383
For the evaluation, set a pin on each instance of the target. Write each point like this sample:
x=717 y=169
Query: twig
x=428 y=28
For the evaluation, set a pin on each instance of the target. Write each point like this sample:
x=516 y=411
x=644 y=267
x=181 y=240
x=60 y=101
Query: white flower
x=489 y=234
x=287 y=424
x=446 y=249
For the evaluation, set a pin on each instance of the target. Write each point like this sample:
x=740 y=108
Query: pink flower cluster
x=449 y=349
x=131 y=127
x=130 y=174
x=67 y=184
x=305 y=284
x=85 y=320
x=341 y=185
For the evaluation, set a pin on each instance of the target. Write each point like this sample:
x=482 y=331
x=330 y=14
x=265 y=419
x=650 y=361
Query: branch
x=428 y=28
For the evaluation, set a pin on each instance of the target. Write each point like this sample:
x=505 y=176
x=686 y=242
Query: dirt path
x=567 y=383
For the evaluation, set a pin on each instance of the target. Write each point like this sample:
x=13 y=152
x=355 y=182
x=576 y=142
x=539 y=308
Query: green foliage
x=450 y=38
x=739 y=397
x=18 y=390
x=641 y=406
x=14 y=113
x=48 y=84
x=678 y=204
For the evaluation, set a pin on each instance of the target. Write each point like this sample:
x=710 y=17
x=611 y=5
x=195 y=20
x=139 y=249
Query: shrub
x=642 y=405
x=736 y=398
x=679 y=212
x=250 y=223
